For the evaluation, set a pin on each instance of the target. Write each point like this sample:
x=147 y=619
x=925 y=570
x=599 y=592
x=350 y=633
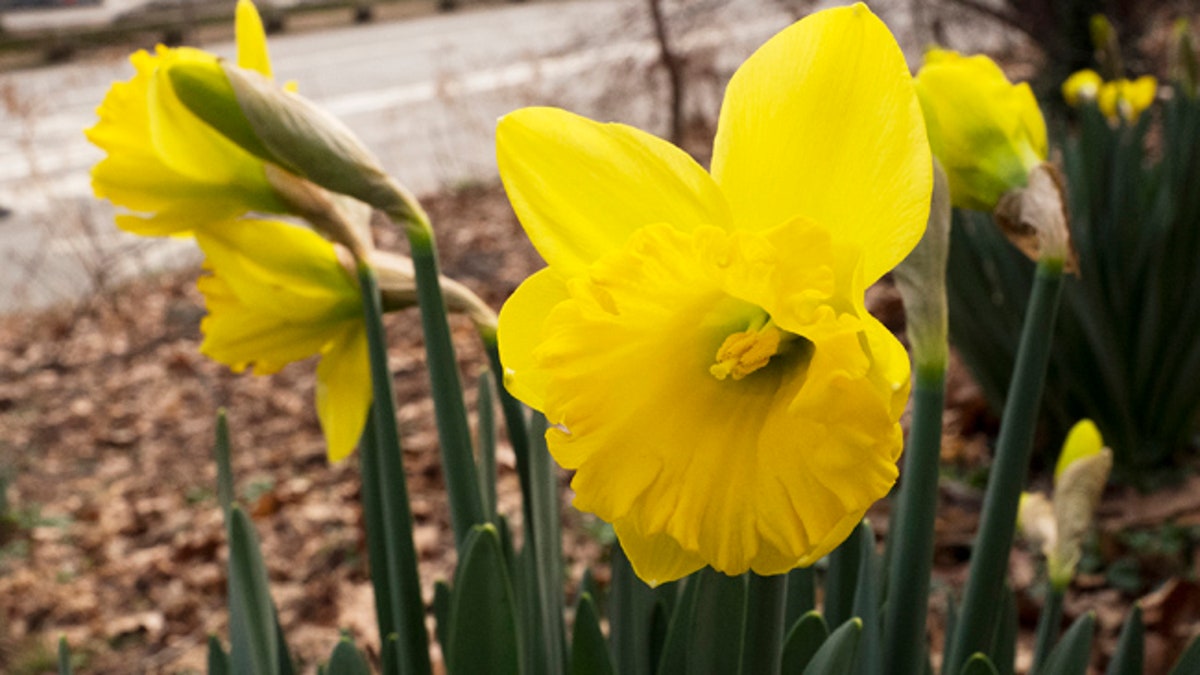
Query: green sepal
x=218 y=660
x=347 y=660
x=589 y=651
x=979 y=664
x=1071 y=655
x=483 y=635
x=1129 y=656
x=838 y=653
x=802 y=642
x=1189 y=661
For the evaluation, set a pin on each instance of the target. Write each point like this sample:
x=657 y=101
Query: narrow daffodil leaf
x=1129 y=656
x=1071 y=655
x=218 y=660
x=545 y=544
x=589 y=651
x=979 y=664
x=762 y=633
x=224 y=464
x=801 y=595
x=866 y=603
x=486 y=445
x=64 y=657
x=837 y=654
x=841 y=579
x=255 y=644
x=717 y=630
x=347 y=660
x=630 y=606
x=674 y=657
x=1003 y=652
x=443 y=598
x=483 y=636
x=1189 y=661
x=802 y=643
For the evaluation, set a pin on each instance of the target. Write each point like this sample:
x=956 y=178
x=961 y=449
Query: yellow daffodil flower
x=1083 y=85
x=1124 y=100
x=165 y=163
x=987 y=132
x=277 y=294
x=699 y=341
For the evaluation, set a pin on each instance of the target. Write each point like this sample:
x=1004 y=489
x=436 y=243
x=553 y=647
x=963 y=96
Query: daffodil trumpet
x=699 y=340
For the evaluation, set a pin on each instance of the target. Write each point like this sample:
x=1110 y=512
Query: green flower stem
x=404 y=585
x=376 y=527
x=454 y=433
x=911 y=536
x=762 y=641
x=1048 y=624
x=989 y=560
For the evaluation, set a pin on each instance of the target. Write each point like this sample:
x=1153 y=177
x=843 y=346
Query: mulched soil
x=115 y=538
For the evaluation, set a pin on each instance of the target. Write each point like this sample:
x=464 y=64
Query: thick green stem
x=989 y=560
x=911 y=534
x=404 y=585
x=1047 y=630
x=454 y=433
x=762 y=641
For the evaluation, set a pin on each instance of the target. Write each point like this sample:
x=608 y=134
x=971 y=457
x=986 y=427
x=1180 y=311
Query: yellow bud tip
x=1083 y=440
x=746 y=351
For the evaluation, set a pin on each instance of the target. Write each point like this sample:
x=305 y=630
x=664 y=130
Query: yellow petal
x=1083 y=440
x=520 y=331
x=822 y=122
x=239 y=335
x=251 y=39
x=160 y=158
x=344 y=391
x=281 y=269
x=655 y=558
x=580 y=188
x=756 y=473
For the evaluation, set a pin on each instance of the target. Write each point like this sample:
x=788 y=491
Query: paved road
x=423 y=94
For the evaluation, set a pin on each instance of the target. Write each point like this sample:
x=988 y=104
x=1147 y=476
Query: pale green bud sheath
x=287 y=130
x=921 y=280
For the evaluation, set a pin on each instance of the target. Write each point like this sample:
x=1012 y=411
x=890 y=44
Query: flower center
x=749 y=350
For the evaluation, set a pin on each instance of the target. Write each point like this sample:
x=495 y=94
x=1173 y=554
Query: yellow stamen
x=746 y=351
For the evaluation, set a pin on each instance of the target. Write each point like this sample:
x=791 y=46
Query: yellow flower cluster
x=1120 y=100
x=699 y=340
x=276 y=292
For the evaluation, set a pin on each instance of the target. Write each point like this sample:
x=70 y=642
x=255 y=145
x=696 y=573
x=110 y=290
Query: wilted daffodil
x=987 y=132
x=277 y=293
x=1125 y=100
x=1058 y=525
x=165 y=164
x=699 y=341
